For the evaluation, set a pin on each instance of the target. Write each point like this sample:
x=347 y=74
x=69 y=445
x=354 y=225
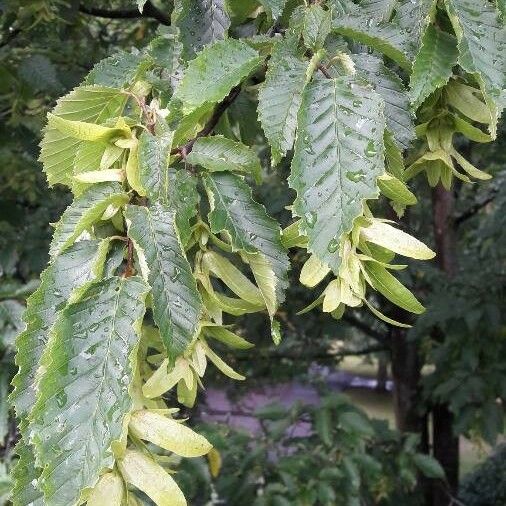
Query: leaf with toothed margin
x=201 y=22
x=433 y=65
x=380 y=10
x=481 y=39
x=183 y=197
x=398 y=114
x=153 y=156
x=177 y=306
x=338 y=155
x=414 y=17
x=84 y=389
x=91 y=104
x=67 y=275
x=280 y=96
x=251 y=231
x=274 y=7
x=25 y=476
x=387 y=38
x=86 y=209
x=217 y=154
x=214 y=72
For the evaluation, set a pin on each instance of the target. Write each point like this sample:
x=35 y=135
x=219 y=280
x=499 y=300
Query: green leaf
x=214 y=72
x=398 y=114
x=387 y=38
x=183 y=198
x=317 y=26
x=280 y=96
x=91 y=104
x=153 y=158
x=72 y=270
x=338 y=156
x=84 y=212
x=379 y=10
x=227 y=337
x=166 y=50
x=429 y=466
x=274 y=7
x=217 y=153
x=24 y=474
x=433 y=65
x=386 y=284
x=250 y=230
x=82 y=130
x=482 y=48
x=200 y=23
x=352 y=421
x=84 y=393
x=413 y=17
x=396 y=190
x=120 y=70
x=177 y=306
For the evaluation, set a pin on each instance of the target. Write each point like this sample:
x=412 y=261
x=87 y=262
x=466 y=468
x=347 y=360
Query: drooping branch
x=471 y=211
x=149 y=11
x=362 y=326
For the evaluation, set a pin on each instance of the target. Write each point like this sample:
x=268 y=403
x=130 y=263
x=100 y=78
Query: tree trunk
x=445 y=444
x=382 y=373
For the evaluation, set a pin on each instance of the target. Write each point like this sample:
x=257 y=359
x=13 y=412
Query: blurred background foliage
x=46 y=48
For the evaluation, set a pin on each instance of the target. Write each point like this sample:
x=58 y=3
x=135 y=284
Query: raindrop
x=311 y=218
x=370 y=149
x=175 y=274
x=61 y=398
x=355 y=176
x=333 y=245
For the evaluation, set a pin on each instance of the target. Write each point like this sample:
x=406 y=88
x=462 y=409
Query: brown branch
x=324 y=71
x=149 y=12
x=129 y=269
x=469 y=213
x=359 y=324
x=211 y=124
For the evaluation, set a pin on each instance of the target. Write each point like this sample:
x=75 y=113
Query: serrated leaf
x=91 y=104
x=382 y=281
x=395 y=190
x=84 y=212
x=183 y=198
x=166 y=51
x=145 y=474
x=379 y=10
x=338 y=156
x=168 y=434
x=153 y=158
x=25 y=475
x=251 y=230
x=214 y=72
x=387 y=38
x=74 y=268
x=177 y=306
x=84 y=391
x=201 y=22
x=119 y=70
x=398 y=115
x=433 y=65
x=280 y=96
x=82 y=130
x=217 y=154
x=482 y=48
x=316 y=27
x=274 y=7
x=413 y=17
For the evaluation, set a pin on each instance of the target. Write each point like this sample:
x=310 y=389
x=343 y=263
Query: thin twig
x=149 y=11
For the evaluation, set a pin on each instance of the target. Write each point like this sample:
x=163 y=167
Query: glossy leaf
x=338 y=156
x=84 y=211
x=91 y=104
x=280 y=96
x=214 y=72
x=176 y=302
x=433 y=64
x=200 y=23
x=217 y=154
x=398 y=115
x=251 y=230
x=84 y=394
